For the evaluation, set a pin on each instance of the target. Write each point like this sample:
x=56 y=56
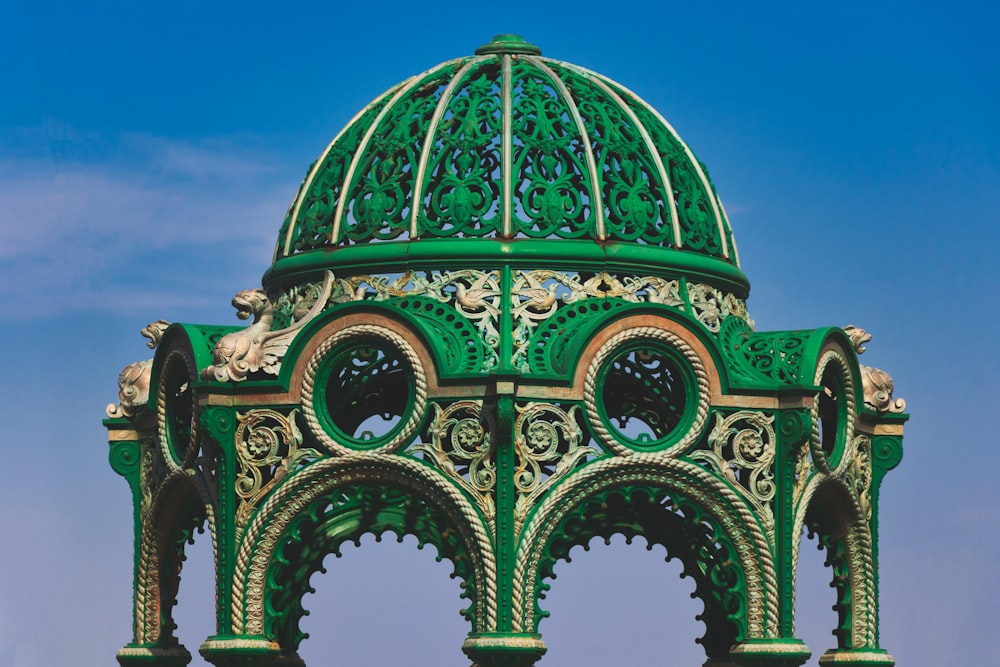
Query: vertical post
x=219 y=423
x=784 y=650
x=502 y=646
x=793 y=430
x=887 y=452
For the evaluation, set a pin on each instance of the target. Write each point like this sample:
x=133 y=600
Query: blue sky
x=148 y=153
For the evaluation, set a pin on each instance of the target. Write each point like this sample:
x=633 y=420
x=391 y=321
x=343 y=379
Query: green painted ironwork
x=505 y=316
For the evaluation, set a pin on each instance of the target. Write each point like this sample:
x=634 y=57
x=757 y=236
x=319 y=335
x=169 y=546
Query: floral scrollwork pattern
x=460 y=446
x=268 y=448
x=741 y=447
x=548 y=444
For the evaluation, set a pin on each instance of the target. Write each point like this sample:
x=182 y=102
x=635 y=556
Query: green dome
x=507 y=145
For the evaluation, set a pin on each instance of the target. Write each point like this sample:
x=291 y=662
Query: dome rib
x=706 y=183
x=654 y=154
x=597 y=197
x=506 y=149
x=318 y=165
x=429 y=138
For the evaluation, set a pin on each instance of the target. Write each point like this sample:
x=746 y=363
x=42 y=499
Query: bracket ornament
x=875 y=382
x=257 y=348
x=133 y=381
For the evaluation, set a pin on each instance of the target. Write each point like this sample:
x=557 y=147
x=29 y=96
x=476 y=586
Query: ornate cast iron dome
x=505 y=316
x=508 y=145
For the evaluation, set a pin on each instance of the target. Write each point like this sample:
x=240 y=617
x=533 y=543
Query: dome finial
x=508 y=43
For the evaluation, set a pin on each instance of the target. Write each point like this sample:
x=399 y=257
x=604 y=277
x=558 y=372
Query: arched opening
x=617 y=603
x=815 y=598
x=384 y=602
x=834 y=524
x=689 y=535
x=343 y=515
x=194 y=611
x=176 y=518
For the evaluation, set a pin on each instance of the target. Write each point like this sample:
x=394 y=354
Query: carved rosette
x=268 y=448
x=741 y=448
x=547 y=446
x=460 y=446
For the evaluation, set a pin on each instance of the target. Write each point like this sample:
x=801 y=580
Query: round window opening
x=831 y=412
x=178 y=408
x=644 y=394
x=366 y=388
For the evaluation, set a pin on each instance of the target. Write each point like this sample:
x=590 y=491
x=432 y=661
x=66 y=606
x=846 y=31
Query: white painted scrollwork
x=547 y=445
x=475 y=294
x=461 y=448
x=267 y=449
x=741 y=447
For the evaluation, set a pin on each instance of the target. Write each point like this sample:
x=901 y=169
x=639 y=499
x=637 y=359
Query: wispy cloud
x=79 y=234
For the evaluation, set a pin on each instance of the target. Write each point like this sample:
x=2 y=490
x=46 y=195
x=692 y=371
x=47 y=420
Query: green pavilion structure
x=506 y=316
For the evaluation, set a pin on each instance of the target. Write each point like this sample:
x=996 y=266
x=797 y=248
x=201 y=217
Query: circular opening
x=178 y=408
x=644 y=393
x=366 y=389
x=831 y=409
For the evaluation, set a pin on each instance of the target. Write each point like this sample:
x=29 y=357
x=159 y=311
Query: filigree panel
x=741 y=448
x=268 y=448
x=634 y=196
x=540 y=294
x=458 y=443
x=551 y=189
x=314 y=206
x=460 y=193
x=377 y=201
x=476 y=295
x=548 y=445
x=711 y=306
x=694 y=198
x=766 y=357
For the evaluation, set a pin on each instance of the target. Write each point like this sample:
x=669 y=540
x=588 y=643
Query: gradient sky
x=148 y=153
